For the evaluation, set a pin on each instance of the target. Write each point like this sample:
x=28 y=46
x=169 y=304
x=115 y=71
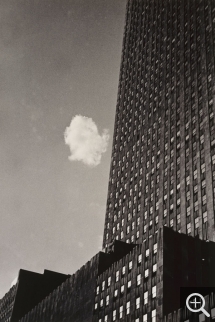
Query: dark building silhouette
x=159 y=225
x=131 y=283
x=30 y=289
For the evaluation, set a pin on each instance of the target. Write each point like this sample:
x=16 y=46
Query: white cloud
x=14 y=281
x=84 y=140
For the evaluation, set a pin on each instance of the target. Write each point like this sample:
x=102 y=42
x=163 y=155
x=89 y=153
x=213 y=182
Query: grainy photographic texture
x=159 y=223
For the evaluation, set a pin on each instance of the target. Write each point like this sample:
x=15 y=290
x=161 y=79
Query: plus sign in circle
x=195 y=302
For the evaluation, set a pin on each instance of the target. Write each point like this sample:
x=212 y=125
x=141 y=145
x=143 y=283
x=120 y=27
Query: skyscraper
x=162 y=174
x=163 y=159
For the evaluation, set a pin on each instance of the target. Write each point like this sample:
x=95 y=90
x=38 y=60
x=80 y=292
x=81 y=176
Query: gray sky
x=58 y=59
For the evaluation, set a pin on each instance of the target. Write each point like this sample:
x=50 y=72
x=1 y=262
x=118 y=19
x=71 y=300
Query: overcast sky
x=59 y=63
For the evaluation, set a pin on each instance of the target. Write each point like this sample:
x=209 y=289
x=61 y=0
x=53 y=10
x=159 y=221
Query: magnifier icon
x=198 y=299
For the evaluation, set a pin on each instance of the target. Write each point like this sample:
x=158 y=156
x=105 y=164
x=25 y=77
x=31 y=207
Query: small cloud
x=84 y=141
x=14 y=281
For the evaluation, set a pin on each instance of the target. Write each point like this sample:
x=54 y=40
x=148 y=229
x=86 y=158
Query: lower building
x=145 y=284
x=127 y=283
x=185 y=315
x=31 y=288
x=6 y=304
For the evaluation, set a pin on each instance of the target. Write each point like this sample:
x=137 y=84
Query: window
x=106 y=318
x=145 y=318
x=154 y=316
x=121 y=312
x=101 y=302
x=129 y=284
x=117 y=276
x=203 y=168
x=138 y=279
x=137 y=303
x=189 y=228
x=97 y=290
x=114 y=315
x=213 y=313
x=145 y=298
x=155 y=247
x=96 y=306
x=109 y=281
x=154 y=268
x=188 y=180
x=107 y=300
x=123 y=270
x=203 y=183
x=154 y=291
x=196 y=206
x=178 y=218
x=205 y=216
x=188 y=195
x=188 y=211
x=130 y=265
x=122 y=289
x=204 y=199
x=103 y=285
x=128 y=307
x=146 y=274
x=147 y=252
x=115 y=293
x=197 y=222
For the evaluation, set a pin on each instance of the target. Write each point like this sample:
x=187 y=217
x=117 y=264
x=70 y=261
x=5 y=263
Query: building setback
x=143 y=285
x=159 y=224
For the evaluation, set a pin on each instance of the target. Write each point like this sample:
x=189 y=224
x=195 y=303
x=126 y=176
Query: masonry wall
x=110 y=298
x=109 y=289
x=6 y=304
x=73 y=300
x=32 y=288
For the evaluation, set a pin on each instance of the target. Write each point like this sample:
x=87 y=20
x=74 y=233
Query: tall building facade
x=159 y=229
x=163 y=158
